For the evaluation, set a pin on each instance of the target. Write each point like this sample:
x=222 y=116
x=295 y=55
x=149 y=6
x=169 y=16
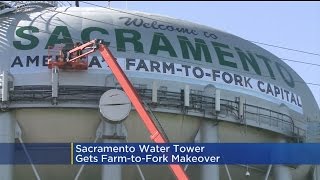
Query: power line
x=266 y=44
x=16 y=25
x=302 y=62
x=290 y=49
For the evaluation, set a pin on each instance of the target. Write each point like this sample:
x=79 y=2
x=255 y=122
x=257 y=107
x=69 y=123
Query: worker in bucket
x=76 y=53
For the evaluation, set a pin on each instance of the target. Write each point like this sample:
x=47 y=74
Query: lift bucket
x=59 y=57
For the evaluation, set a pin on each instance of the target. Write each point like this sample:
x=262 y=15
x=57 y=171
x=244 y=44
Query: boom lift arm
x=132 y=94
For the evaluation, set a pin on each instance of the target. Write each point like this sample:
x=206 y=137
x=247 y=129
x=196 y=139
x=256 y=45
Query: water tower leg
x=282 y=172
x=209 y=134
x=112 y=133
x=7 y=132
x=316 y=173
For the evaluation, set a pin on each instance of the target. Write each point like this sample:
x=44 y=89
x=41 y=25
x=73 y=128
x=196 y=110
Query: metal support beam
x=186 y=95
x=18 y=135
x=241 y=108
x=112 y=133
x=209 y=134
x=7 y=134
x=154 y=92
x=217 y=100
x=5 y=86
x=268 y=172
x=55 y=83
x=228 y=172
x=99 y=133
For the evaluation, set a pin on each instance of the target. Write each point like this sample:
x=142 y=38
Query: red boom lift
x=132 y=94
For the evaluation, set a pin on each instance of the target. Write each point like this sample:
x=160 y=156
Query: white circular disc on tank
x=114 y=105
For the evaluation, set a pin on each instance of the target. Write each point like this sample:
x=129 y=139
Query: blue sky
x=289 y=24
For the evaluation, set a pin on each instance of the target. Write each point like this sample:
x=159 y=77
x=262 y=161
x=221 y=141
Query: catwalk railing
x=199 y=104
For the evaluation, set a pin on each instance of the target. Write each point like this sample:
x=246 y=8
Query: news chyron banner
x=166 y=153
